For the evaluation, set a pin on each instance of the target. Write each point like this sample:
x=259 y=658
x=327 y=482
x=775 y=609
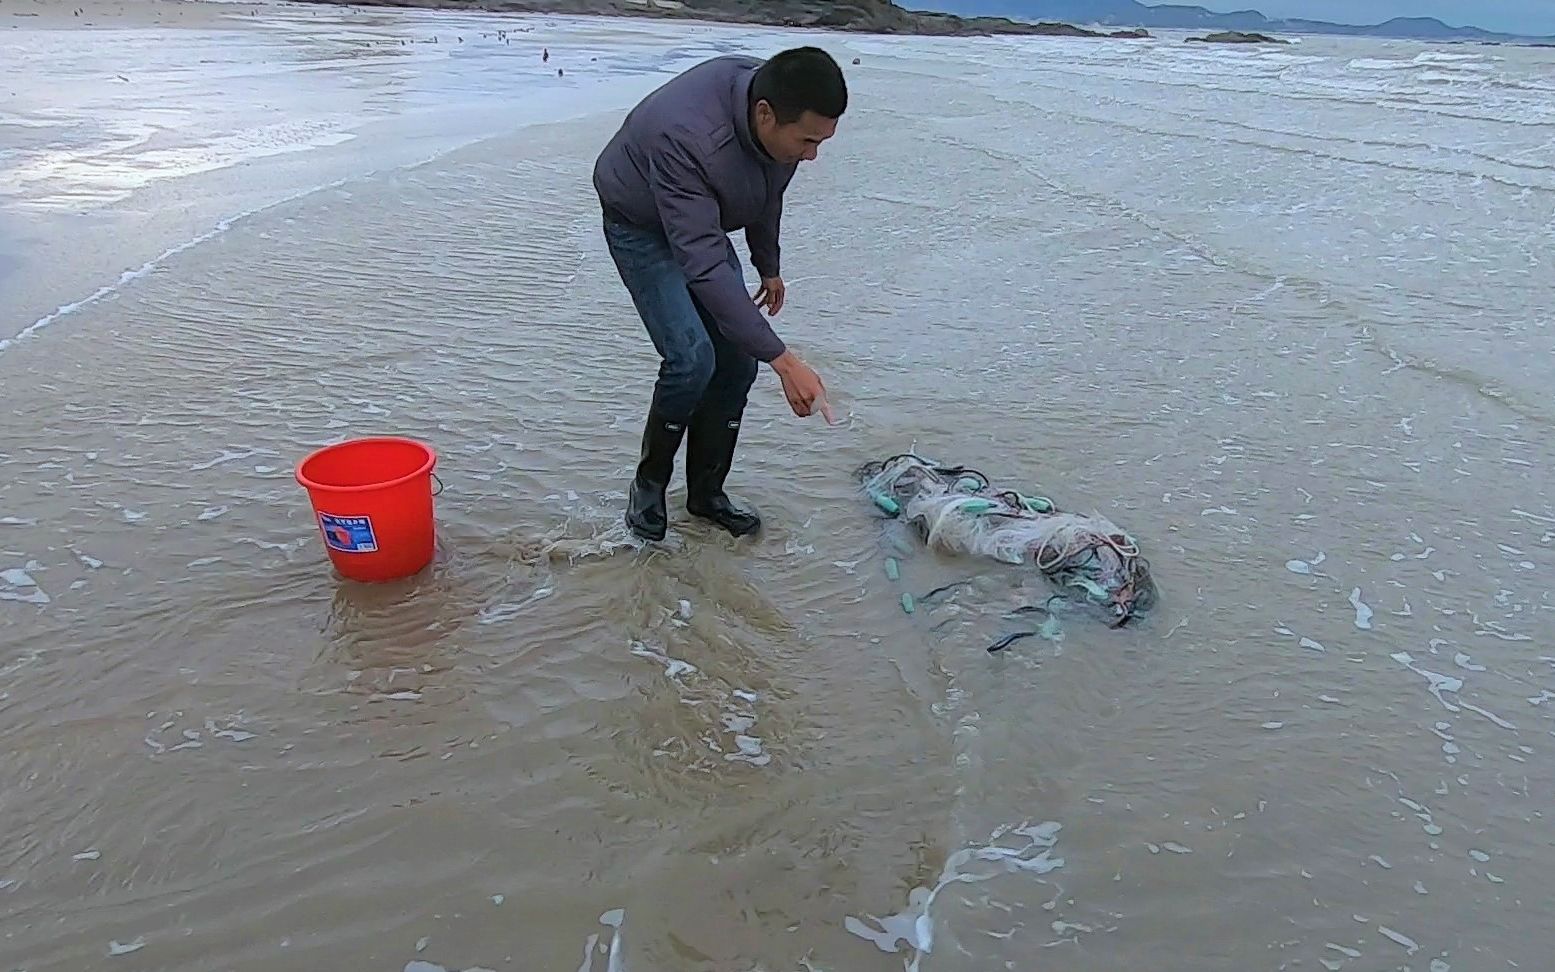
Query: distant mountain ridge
x=1131 y=13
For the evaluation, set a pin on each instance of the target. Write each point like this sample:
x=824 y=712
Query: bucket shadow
x=408 y=635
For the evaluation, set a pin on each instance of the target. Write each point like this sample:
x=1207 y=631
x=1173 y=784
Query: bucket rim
x=425 y=468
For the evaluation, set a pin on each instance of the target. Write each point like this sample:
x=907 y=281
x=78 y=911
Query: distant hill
x=1130 y=13
x=865 y=16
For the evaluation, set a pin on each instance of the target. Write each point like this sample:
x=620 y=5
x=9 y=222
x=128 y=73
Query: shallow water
x=1259 y=309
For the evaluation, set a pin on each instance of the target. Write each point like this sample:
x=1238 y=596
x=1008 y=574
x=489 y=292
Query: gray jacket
x=686 y=162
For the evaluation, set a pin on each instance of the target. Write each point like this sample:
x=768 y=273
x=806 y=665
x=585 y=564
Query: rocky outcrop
x=866 y=16
x=1236 y=37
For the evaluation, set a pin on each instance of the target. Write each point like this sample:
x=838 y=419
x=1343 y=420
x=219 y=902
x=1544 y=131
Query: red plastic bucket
x=372 y=499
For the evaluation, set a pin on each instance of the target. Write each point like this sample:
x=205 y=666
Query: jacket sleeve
x=762 y=237
x=690 y=215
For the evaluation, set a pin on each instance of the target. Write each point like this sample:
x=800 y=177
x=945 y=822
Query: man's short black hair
x=800 y=80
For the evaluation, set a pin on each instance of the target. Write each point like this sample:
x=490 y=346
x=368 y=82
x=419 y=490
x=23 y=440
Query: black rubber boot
x=709 y=454
x=646 y=514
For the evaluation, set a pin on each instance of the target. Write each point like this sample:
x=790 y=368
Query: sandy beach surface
x=1284 y=315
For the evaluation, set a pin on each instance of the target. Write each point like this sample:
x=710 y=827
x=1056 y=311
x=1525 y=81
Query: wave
x=1439 y=57
x=1378 y=64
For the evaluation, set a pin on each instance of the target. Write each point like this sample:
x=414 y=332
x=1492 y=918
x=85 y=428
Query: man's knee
x=730 y=387
x=694 y=366
x=684 y=377
x=742 y=374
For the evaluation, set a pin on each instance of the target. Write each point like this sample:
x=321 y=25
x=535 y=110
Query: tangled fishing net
x=957 y=510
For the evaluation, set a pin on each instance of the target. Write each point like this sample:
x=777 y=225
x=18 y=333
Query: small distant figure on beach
x=711 y=151
x=558 y=72
x=545 y=55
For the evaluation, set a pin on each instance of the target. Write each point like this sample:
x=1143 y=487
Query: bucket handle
x=440 y=486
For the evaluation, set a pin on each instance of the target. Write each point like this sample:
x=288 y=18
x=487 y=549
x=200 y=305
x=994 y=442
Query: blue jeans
x=701 y=371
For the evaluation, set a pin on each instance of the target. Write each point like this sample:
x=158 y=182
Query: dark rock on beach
x=1236 y=37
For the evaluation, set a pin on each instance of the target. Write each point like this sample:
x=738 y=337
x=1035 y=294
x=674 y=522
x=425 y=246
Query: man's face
x=799 y=141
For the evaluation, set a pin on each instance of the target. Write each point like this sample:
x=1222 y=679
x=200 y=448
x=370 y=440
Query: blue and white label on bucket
x=348 y=534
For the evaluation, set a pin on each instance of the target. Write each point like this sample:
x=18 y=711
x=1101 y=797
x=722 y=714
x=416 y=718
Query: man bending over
x=710 y=152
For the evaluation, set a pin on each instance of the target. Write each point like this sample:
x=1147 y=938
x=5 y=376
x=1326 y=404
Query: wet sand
x=1329 y=748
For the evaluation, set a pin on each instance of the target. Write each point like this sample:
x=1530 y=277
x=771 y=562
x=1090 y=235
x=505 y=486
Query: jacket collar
x=742 y=116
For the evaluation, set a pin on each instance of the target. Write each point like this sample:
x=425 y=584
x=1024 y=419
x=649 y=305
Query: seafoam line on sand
x=150 y=266
x=155 y=263
x=914 y=927
x=629 y=85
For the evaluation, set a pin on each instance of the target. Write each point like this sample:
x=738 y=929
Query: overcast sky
x=1514 y=16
